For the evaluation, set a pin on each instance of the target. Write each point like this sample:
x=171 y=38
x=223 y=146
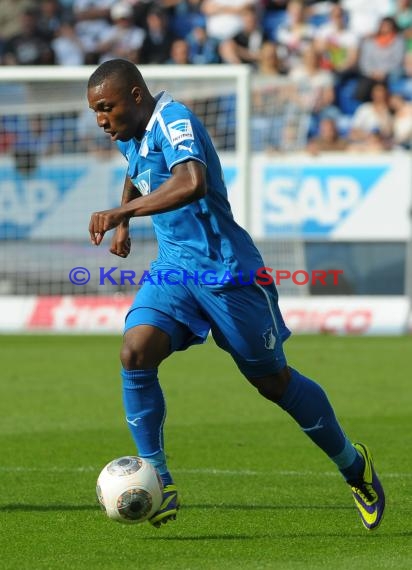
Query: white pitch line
x=200 y=471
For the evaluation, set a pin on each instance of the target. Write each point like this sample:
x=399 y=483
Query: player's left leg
x=254 y=335
x=308 y=404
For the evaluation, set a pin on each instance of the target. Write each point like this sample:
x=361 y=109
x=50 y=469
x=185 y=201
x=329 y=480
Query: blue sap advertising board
x=313 y=200
x=27 y=201
x=341 y=198
x=57 y=198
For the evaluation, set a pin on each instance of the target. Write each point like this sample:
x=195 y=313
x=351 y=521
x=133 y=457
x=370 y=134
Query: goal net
x=57 y=167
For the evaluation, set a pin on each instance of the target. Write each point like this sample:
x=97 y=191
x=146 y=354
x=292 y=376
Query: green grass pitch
x=256 y=492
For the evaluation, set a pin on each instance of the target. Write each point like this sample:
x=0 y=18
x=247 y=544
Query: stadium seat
x=401 y=86
x=318 y=20
x=271 y=22
x=345 y=97
x=183 y=23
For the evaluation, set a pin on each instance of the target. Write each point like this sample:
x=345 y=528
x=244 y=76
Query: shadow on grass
x=271 y=507
x=205 y=537
x=47 y=508
x=281 y=535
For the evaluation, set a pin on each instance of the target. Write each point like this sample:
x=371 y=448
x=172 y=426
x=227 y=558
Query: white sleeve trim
x=186 y=159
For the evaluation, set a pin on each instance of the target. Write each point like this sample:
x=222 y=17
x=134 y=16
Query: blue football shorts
x=244 y=321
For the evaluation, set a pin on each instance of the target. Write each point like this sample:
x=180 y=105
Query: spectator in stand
x=183 y=15
x=372 y=117
x=403 y=14
x=141 y=9
x=270 y=97
x=315 y=86
x=337 y=44
x=50 y=18
x=67 y=47
x=30 y=46
x=92 y=20
x=181 y=6
x=273 y=13
x=319 y=10
x=403 y=19
x=364 y=15
x=268 y=62
x=7 y=137
x=373 y=142
x=67 y=6
x=328 y=138
x=202 y=48
x=245 y=46
x=37 y=136
x=402 y=121
x=294 y=35
x=274 y=5
x=381 y=57
x=10 y=17
x=158 y=40
x=179 y=52
x=122 y=39
x=224 y=17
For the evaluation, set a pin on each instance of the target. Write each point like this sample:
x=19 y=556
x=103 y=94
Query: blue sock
x=309 y=406
x=145 y=409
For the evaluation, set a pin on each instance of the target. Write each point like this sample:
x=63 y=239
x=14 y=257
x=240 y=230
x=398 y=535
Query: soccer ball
x=129 y=489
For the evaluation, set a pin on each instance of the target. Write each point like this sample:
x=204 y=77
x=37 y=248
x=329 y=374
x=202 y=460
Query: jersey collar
x=162 y=99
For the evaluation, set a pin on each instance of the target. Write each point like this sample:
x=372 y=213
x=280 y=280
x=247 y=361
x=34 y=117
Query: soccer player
x=174 y=176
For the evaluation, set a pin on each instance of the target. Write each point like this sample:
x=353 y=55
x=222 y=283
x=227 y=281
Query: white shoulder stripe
x=163 y=127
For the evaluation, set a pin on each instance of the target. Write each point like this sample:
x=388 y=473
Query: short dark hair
x=125 y=71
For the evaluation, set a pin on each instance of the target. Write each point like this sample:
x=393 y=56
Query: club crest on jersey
x=142 y=182
x=269 y=338
x=180 y=130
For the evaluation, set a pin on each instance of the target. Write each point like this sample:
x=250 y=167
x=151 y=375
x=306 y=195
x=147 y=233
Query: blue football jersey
x=201 y=236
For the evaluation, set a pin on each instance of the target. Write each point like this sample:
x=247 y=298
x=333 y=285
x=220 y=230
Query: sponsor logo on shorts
x=269 y=338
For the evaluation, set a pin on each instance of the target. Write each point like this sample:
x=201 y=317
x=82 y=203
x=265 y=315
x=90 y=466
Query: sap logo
x=315 y=199
x=25 y=202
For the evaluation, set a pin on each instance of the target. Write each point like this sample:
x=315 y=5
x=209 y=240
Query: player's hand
x=121 y=241
x=102 y=222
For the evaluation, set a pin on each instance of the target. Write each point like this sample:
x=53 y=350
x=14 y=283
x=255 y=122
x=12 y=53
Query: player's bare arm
x=187 y=184
x=121 y=243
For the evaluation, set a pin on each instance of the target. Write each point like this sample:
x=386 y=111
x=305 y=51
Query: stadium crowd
x=350 y=61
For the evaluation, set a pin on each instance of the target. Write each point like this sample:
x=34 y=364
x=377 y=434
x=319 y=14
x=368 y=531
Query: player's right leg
x=144 y=348
x=162 y=319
